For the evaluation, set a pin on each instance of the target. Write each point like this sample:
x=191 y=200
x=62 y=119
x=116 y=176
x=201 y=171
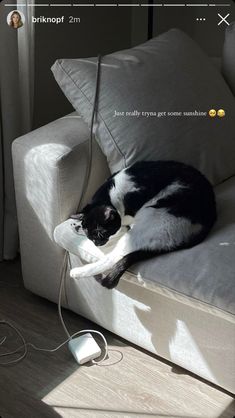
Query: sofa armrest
x=49 y=168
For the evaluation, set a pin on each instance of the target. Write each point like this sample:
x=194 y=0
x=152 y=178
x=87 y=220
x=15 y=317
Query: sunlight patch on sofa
x=40 y=182
x=183 y=347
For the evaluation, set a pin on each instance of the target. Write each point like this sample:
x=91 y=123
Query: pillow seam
x=86 y=98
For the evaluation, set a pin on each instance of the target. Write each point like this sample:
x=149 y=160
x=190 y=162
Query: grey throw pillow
x=140 y=88
x=228 y=60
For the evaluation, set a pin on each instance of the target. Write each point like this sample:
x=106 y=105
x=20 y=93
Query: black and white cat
x=165 y=205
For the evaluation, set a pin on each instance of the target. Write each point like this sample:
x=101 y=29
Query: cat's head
x=99 y=222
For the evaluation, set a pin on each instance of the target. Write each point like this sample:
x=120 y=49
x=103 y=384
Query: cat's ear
x=110 y=213
x=80 y=215
x=77 y=216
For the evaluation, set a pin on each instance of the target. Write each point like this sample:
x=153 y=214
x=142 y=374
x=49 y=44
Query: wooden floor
x=130 y=384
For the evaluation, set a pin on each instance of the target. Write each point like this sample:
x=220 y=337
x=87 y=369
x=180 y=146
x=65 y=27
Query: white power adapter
x=84 y=348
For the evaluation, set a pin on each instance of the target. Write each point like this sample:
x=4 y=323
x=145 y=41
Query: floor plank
x=130 y=383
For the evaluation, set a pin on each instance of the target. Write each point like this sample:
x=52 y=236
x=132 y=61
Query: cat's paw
x=108 y=281
x=98 y=278
x=75 y=273
x=80 y=272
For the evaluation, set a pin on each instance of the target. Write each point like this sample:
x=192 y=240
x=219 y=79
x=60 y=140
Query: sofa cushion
x=204 y=272
x=169 y=73
x=228 y=59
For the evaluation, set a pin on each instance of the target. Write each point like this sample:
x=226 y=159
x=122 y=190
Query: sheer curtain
x=16 y=108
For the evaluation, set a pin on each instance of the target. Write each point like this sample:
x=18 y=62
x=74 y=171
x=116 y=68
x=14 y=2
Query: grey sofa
x=179 y=306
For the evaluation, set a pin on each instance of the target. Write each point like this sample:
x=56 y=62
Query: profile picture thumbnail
x=15 y=19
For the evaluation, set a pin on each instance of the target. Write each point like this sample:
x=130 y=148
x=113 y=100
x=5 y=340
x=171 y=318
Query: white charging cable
x=25 y=345
x=66 y=260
